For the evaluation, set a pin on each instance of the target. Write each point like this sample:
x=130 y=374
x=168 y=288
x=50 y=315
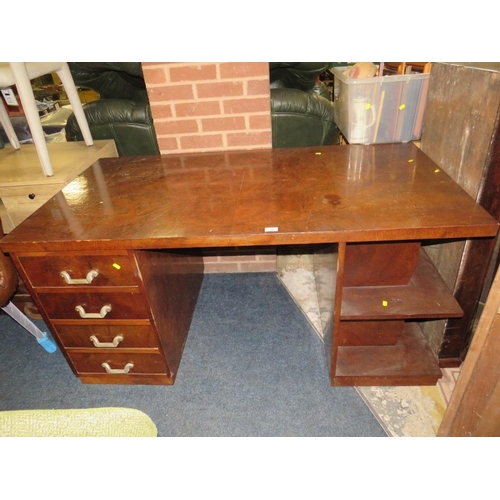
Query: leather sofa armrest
x=301 y=119
x=296 y=101
x=111 y=111
x=128 y=123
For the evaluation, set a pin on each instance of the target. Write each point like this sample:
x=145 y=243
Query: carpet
x=252 y=366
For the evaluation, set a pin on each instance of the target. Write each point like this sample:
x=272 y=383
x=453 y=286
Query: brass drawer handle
x=125 y=369
x=104 y=310
x=82 y=281
x=97 y=343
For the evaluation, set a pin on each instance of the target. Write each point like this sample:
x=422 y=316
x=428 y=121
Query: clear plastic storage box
x=382 y=108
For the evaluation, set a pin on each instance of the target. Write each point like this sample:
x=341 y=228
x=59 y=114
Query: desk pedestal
x=383 y=292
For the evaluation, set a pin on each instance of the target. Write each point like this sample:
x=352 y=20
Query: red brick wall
x=199 y=107
x=209 y=106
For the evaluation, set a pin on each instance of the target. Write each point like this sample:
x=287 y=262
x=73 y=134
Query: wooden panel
x=460 y=120
x=461 y=134
x=364 y=333
x=368 y=264
x=474 y=408
x=409 y=362
x=426 y=296
x=171 y=281
x=129 y=379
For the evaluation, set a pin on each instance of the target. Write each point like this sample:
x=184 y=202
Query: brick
x=257 y=267
x=249 y=138
x=248 y=105
x=197 y=108
x=223 y=124
x=222 y=267
x=267 y=257
x=219 y=89
x=260 y=121
x=201 y=141
x=161 y=111
x=243 y=70
x=176 y=127
x=154 y=75
x=170 y=93
x=167 y=143
x=257 y=87
x=207 y=259
x=193 y=73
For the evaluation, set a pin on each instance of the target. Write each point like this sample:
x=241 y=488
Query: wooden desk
x=130 y=230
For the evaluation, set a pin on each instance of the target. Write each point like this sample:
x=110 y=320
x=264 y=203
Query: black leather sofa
x=301 y=106
x=122 y=113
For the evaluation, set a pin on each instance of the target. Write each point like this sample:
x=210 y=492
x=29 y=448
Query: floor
x=402 y=411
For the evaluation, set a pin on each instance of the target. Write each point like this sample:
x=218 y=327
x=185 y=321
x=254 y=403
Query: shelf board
x=409 y=362
x=425 y=297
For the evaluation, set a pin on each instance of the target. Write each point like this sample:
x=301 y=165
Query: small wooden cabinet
x=104 y=319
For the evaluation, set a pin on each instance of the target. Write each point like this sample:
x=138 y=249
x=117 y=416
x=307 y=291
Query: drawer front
x=119 y=363
x=95 y=305
x=107 y=336
x=106 y=270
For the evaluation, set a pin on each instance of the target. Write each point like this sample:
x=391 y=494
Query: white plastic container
x=380 y=109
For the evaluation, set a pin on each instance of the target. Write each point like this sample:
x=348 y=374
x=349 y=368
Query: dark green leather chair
x=301 y=106
x=122 y=113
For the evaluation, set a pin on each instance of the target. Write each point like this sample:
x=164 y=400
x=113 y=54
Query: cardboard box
x=381 y=109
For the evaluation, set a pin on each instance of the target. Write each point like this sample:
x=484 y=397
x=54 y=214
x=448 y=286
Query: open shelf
x=425 y=296
x=409 y=362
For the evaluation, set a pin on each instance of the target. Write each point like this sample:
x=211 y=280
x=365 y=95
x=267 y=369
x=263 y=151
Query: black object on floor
x=252 y=366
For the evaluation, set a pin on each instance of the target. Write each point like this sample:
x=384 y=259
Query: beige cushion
x=89 y=422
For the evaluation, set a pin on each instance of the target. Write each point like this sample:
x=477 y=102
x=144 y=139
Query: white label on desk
x=270 y=229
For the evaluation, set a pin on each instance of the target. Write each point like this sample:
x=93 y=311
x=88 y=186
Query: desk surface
x=267 y=197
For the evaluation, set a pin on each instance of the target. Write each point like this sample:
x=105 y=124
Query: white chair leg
x=69 y=86
x=23 y=85
x=7 y=126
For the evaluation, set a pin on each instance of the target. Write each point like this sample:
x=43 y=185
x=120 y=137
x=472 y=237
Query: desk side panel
x=171 y=281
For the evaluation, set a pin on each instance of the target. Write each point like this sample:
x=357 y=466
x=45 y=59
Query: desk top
x=348 y=193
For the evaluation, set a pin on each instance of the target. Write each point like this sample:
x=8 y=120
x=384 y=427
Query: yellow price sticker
x=117 y=266
x=402 y=106
x=384 y=303
x=368 y=105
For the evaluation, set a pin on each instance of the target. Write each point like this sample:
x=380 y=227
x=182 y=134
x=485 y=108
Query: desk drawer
x=93 y=336
x=106 y=270
x=95 y=305
x=120 y=363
